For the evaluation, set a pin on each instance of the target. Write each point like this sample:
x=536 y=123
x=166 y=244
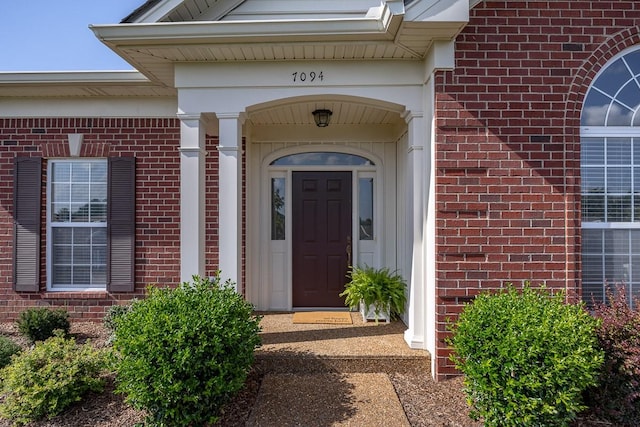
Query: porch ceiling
x=344 y=113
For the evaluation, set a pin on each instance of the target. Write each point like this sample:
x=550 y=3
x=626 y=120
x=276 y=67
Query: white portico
x=252 y=73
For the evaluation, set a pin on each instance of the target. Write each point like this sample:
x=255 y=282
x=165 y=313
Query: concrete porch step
x=306 y=364
x=362 y=347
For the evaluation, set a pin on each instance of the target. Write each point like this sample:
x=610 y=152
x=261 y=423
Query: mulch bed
x=425 y=402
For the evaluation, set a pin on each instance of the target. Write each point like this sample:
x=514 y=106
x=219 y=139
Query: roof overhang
x=80 y=84
x=153 y=48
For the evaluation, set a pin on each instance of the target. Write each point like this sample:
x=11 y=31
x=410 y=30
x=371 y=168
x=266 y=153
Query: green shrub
x=526 y=357
x=38 y=324
x=7 y=349
x=184 y=352
x=617 y=396
x=110 y=319
x=49 y=377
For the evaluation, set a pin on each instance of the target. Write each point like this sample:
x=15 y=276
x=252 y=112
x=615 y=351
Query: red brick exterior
x=507 y=146
x=154 y=143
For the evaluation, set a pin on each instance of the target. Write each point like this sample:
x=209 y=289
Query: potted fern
x=378 y=292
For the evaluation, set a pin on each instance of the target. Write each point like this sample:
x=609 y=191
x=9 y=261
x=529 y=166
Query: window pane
x=99 y=236
x=61 y=172
x=633 y=61
x=62 y=193
x=81 y=275
x=592 y=242
x=99 y=172
x=322 y=159
x=595 y=109
x=593 y=180
x=79 y=212
x=277 y=208
x=593 y=208
x=592 y=151
x=619 y=151
x=616 y=241
x=613 y=77
x=366 y=208
x=592 y=269
x=630 y=94
x=76 y=252
x=618 y=208
x=616 y=268
x=619 y=115
x=619 y=180
x=60 y=212
x=62 y=236
x=80 y=171
x=61 y=275
x=98 y=275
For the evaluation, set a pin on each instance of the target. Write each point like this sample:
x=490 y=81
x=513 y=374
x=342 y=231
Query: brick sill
x=75 y=295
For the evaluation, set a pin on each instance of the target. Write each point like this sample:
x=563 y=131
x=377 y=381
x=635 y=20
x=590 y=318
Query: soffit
x=120 y=84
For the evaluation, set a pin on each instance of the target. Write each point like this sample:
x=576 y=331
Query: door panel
x=321 y=233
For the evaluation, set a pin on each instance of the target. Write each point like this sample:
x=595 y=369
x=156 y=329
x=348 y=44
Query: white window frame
x=50 y=226
x=614 y=132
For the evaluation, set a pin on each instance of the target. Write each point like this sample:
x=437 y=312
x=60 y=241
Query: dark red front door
x=321 y=237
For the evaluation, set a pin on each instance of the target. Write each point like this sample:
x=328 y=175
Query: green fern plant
x=379 y=288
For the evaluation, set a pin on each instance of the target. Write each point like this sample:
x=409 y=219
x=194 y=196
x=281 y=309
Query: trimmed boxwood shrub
x=39 y=323
x=617 y=396
x=49 y=377
x=7 y=349
x=184 y=352
x=526 y=357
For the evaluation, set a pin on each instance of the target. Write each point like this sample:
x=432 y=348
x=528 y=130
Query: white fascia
x=380 y=25
x=71 y=77
x=440 y=10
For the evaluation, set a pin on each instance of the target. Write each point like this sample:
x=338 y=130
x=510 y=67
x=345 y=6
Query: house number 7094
x=311 y=76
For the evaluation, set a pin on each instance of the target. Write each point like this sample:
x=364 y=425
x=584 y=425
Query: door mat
x=331 y=317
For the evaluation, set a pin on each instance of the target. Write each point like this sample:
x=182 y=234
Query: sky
x=54 y=35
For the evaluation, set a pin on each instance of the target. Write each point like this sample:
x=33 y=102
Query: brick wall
x=507 y=137
x=154 y=143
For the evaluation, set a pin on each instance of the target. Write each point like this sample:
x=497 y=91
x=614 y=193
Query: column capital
x=187 y=117
x=240 y=116
x=409 y=115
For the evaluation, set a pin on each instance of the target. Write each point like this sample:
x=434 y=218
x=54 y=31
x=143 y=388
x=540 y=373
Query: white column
x=230 y=196
x=192 y=196
x=415 y=335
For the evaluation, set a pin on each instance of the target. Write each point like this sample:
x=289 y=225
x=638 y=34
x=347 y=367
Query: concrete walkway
x=332 y=375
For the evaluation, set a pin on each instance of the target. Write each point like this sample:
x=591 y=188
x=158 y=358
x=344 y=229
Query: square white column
x=230 y=196
x=415 y=335
x=192 y=196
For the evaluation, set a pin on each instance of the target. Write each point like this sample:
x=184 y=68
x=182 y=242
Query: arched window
x=322 y=159
x=610 y=171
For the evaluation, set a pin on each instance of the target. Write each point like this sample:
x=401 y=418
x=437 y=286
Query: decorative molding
x=75 y=143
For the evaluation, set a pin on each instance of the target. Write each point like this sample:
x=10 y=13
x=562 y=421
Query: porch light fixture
x=322 y=117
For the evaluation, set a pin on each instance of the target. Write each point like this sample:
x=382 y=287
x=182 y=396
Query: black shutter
x=121 y=224
x=27 y=184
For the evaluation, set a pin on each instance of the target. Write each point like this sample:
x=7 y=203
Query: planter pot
x=369 y=313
